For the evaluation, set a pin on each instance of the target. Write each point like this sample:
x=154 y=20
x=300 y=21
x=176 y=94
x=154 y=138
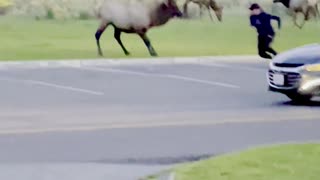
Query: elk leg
x=200 y=8
x=302 y=24
x=210 y=13
x=306 y=17
x=148 y=44
x=294 y=16
x=117 y=36
x=314 y=11
x=317 y=10
x=185 y=8
x=98 y=34
x=307 y=14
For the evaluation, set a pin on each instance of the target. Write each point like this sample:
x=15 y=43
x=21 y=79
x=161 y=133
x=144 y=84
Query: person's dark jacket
x=262 y=23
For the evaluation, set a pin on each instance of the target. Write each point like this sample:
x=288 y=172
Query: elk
x=209 y=4
x=134 y=17
x=305 y=7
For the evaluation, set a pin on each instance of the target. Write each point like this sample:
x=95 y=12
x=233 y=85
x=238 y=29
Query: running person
x=262 y=22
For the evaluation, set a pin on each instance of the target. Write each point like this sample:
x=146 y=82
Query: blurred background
x=84 y=9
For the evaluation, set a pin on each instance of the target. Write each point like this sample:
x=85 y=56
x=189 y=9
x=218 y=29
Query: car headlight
x=313 y=68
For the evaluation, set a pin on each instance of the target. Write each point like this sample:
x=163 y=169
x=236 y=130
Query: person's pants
x=264 y=47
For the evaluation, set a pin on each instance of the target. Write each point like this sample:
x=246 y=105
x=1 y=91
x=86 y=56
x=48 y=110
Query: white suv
x=296 y=73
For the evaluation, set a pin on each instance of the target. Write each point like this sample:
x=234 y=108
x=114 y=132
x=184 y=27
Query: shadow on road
x=291 y=103
x=157 y=161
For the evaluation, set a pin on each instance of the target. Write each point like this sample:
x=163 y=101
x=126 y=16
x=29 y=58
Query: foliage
x=5 y=3
x=4 y=6
x=84 y=9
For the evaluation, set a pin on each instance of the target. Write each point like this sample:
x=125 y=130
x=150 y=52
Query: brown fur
x=307 y=8
x=135 y=16
x=209 y=4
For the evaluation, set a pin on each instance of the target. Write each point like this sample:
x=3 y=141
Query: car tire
x=299 y=98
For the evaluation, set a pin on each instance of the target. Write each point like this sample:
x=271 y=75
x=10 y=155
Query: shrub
x=85 y=9
x=4 y=6
x=83 y=15
x=50 y=14
x=5 y=3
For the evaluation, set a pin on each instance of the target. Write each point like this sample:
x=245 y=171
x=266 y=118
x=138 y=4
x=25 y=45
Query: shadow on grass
x=158 y=160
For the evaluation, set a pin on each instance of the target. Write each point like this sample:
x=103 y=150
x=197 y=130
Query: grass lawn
x=283 y=162
x=24 y=39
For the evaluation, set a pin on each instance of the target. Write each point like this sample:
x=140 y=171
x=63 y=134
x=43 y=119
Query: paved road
x=146 y=114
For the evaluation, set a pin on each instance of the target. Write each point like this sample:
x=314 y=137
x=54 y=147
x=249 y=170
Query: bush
x=84 y=9
x=84 y=15
x=4 y=6
x=57 y=9
x=5 y=3
x=50 y=14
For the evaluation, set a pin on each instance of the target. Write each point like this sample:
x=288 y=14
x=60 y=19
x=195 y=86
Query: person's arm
x=277 y=18
x=252 y=21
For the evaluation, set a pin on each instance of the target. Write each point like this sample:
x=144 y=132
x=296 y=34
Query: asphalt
x=99 y=120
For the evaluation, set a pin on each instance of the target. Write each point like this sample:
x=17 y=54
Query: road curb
x=119 y=62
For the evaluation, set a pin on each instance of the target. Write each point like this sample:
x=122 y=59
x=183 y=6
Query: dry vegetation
x=4 y=6
x=83 y=9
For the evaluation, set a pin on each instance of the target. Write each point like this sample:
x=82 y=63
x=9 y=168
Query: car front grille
x=291 y=79
x=287 y=65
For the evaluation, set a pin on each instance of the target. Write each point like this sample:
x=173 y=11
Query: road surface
x=125 y=121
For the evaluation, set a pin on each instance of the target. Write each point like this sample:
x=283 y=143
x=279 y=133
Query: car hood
x=309 y=54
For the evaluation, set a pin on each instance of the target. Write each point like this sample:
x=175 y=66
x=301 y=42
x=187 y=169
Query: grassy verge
x=54 y=39
x=284 y=162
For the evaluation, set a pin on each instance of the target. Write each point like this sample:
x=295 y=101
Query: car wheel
x=299 y=98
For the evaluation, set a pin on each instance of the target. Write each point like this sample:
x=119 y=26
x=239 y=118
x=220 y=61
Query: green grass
x=283 y=162
x=24 y=39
